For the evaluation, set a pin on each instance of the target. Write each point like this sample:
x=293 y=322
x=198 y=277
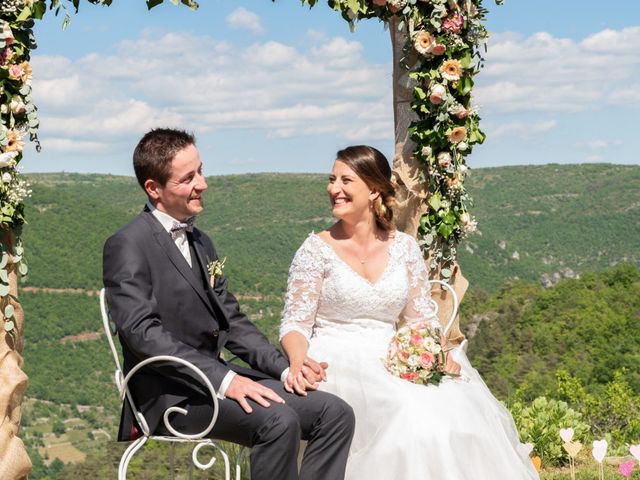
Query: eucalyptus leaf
x=24 y=14
x=435 y=201
x=4 y=290
x=8 y=311
x=23 y=269
x=153 y=3
x=9 y=326
x=445 y=272
x=19 y=250
x=4 y=276
x=4 y=259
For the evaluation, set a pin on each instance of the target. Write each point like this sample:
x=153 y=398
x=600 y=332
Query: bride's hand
x=451 y=366
x=315 y=371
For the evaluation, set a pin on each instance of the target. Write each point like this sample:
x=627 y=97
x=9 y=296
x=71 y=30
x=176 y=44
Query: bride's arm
x=301 y=303
x=419 y=306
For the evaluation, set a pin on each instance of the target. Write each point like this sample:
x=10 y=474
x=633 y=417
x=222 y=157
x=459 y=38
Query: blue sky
x=276 y=87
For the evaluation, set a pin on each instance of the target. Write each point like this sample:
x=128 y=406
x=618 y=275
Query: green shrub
x=540 y=423
x=612 y=411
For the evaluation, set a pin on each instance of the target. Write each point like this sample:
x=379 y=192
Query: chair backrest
x=454 y=299
x=110 y=333
x=122 y=380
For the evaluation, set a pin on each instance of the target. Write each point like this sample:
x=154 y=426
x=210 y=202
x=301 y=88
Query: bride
x=349 y=288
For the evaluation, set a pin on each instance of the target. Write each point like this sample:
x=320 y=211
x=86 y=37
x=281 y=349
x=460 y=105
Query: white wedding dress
x=454 y=431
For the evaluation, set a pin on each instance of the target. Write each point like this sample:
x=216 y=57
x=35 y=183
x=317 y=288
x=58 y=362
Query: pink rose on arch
x=461 y=112
x=15 y=72
x=427 y=359
x=453 y=23
x=438 y=49
x=437 y=93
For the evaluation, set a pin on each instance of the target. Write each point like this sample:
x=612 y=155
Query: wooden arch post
x=14 y=461
x=411 y=192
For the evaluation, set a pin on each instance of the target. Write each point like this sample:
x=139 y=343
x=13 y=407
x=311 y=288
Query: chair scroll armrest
x=454 y=310
x=205 y=381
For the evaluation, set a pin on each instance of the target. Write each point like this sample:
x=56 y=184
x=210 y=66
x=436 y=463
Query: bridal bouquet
x=416 y=354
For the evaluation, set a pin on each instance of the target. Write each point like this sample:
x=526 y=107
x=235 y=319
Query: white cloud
x=243 y=19
x=520 y=129
x=196 y=82
x=67 y=146
x=558 y=75
x=599 y=144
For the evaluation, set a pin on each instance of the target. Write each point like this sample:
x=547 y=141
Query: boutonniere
x=215 y=267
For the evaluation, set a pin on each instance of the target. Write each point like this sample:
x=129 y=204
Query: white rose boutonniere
x=215 y=267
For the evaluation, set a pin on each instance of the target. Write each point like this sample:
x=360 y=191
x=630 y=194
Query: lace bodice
x=324 y=292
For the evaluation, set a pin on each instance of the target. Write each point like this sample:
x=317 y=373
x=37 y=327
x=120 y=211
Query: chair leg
x=239 y=462
x=128 y=455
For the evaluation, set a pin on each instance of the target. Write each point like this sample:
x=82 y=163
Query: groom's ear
x=152 y=187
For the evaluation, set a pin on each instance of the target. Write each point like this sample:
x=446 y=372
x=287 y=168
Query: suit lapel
x=200 y=257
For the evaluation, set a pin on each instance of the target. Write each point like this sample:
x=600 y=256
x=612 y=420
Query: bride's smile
x=349 y=194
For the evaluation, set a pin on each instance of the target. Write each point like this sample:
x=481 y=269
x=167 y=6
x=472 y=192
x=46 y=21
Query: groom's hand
x=242 y=388
x=315 y=371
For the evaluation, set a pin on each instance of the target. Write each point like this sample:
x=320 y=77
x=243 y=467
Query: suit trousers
x=274 y=433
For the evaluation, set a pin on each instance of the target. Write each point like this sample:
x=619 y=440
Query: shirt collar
x=166 y=220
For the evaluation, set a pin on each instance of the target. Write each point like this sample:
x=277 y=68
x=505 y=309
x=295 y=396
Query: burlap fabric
x=411 y=193
x=14 y=461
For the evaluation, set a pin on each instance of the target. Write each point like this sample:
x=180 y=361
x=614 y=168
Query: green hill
x=533 y=221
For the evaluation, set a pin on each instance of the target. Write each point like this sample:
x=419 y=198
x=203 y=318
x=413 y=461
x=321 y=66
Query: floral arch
x=437 y=52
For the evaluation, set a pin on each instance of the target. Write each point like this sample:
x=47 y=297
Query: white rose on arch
x=444 y=159
x=16 y=104
x=437 y=94
x=8 y=159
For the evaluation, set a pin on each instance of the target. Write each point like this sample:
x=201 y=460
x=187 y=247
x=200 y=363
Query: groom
x=155 y=270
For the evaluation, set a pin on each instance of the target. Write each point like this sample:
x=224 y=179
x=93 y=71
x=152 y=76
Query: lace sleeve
x=419 y=307
x=303 y=290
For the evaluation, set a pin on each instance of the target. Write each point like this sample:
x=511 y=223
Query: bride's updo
x=373 y=168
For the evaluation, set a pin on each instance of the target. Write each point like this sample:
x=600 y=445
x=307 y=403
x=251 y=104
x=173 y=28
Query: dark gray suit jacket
x=162 y=307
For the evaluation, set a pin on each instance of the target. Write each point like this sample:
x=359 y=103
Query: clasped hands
x=299 y=379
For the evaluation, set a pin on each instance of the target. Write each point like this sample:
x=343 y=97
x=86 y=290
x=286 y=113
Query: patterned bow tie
x=180 y=227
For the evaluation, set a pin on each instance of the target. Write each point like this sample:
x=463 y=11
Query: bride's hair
x=373 y=168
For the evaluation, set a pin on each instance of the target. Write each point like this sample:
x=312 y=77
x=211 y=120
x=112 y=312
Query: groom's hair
x=155 y=151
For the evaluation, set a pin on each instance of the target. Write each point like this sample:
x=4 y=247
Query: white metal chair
x=454 y=311
x=197 y=439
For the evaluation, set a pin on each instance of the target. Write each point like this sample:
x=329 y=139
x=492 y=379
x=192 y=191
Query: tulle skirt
x=454 y=431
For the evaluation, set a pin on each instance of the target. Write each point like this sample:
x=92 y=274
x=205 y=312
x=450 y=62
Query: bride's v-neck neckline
x=346 y=264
